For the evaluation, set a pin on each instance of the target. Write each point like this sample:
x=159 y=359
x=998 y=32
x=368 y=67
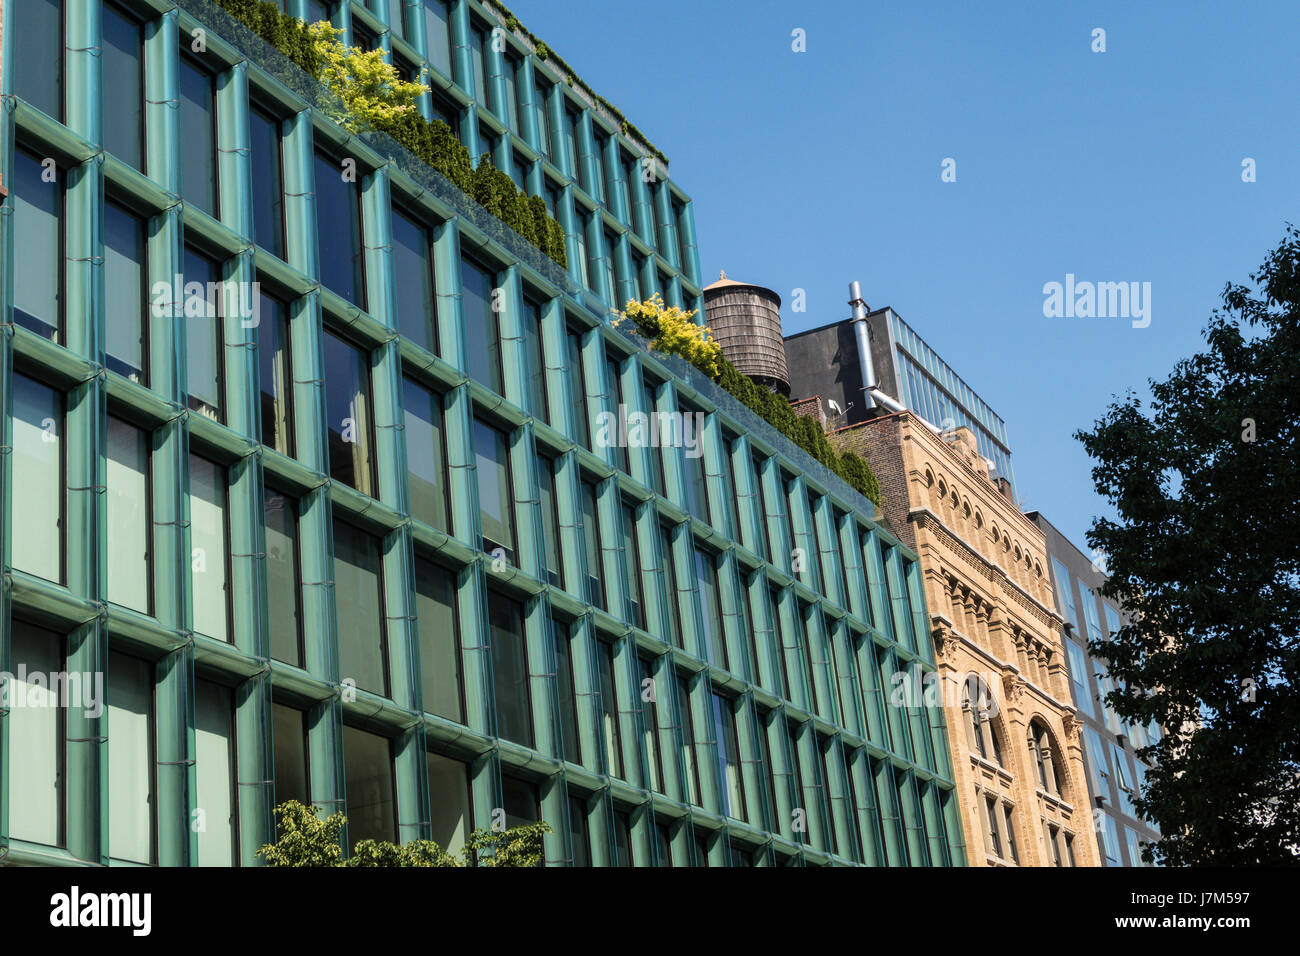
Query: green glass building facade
x=307 y=488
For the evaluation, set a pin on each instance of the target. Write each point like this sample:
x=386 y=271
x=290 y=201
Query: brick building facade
x=1017 y=753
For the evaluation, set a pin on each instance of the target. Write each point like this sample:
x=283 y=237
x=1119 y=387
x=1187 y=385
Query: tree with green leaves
x=305 y=839
x=1204 y=554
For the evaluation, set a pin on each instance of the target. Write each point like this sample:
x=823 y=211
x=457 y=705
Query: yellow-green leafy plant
x=373 y=95
x=305 y=839
x=675 y=331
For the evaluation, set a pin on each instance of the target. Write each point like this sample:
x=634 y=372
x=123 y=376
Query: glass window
x=415 y=298
x=359 y=603
x=796 y=777
x=1064 y=593
x=482 y=335
x=214 y=764
x=687 y=723
x=204 y=336
x=656 y=465
x=706 y=578
x=577 y=380
x=1109 y=840
x=130 y=758
x=611 y=280
x=510 y=670
x=652 y=216
x=425 y=463
x=578 y=831
x=702 y=843
x=37 y=510
x=1104 y=686
x=609 y=710
x=614 y=402
x=435 y=608
x=1090 y=613
x=571 y=121
x=338 y=230
x=283 y=576
x=450 y=810
x=490 y=143
x=1010 y=829
x=37 y=207
x=1098 y=771
x=673 y=610
x=38 y=59
x=591 y=540
x=599 y=145
x=533 y=348
x=1124 y=779
x=565 y=691
x=268 y=181
x=368 y=772
x=697 y=490
x=591 y=258
x=638 y=198
x=768 y=769
x=478 y=55
x=650 y=722
x=638 y=272
x=622 y=838
x=347 y=406
x=550 y=517
x=397 y=17
x=635 y=597
x=664 y=844
x=809 y=541
x=540 y=101
x=437 y=32
x=492 y=466
x=510 y=79
x=198 y=131
x=210 y=549
x=362 y=37
x=124 y=292
x=289 y=729
x=995 y=837
x=1112 y=621
x=1079 y=679
x=728 y=750
x=446 y=112
x=36 y=735
x=129 y=515
x=1134 y=850
x=679 y=221
x=275 y=374
x=520 y=801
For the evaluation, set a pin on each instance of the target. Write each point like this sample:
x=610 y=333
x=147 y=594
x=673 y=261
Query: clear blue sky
x=812 y=169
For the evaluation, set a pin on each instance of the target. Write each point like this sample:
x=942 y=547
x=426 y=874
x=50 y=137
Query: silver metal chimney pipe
x=865 y=365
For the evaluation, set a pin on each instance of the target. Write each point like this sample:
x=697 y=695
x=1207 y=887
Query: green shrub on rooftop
x=378 y=99
x=665 y=330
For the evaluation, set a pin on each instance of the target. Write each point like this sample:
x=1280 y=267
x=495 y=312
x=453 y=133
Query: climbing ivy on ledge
x=378 y=99
x=674 y=332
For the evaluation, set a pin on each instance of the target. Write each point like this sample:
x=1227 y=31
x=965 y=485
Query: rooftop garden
x=675 y=332
x=372 y=97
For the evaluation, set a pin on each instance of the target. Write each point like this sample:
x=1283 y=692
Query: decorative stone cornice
x=925 y=519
